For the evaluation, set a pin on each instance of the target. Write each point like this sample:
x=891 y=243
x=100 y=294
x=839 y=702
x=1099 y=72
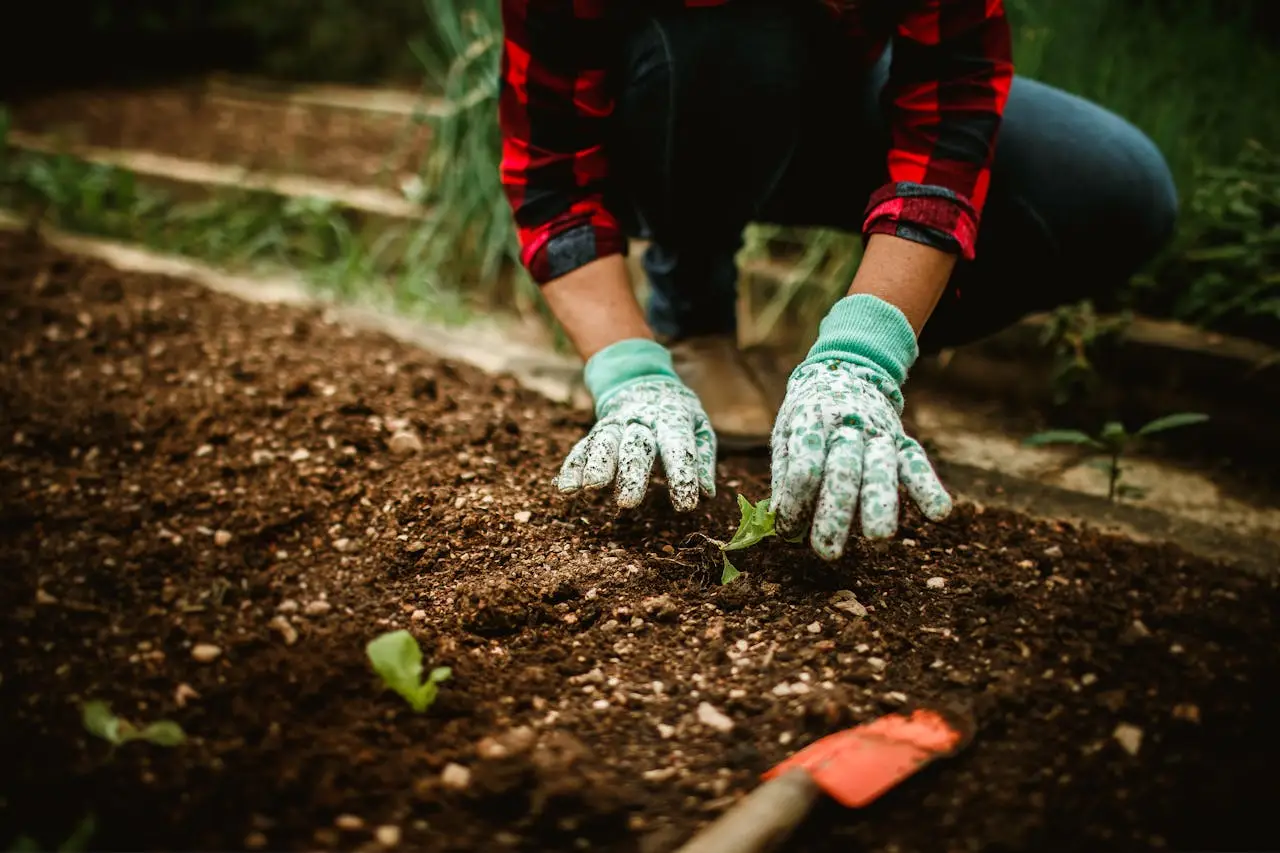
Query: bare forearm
x=597 y=306
x=908 y=275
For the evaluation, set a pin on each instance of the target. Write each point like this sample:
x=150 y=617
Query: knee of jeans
x=1155 y=195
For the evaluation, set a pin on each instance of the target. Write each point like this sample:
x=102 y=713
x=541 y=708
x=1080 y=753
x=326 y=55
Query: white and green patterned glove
x=643 y=412
x=838 y=445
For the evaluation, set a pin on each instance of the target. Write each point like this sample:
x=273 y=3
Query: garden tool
x=853 y=767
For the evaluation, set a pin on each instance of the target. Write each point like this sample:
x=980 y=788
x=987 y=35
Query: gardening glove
x=643 y=411
x=838 y=443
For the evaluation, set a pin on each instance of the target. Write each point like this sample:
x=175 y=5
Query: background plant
x=100 y=722
x=1116 y=443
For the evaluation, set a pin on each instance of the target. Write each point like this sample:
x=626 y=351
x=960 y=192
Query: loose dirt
x=338 y=144
x=180 y=470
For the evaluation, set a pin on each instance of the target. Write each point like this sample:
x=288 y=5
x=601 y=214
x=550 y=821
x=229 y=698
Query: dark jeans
x=744 y=113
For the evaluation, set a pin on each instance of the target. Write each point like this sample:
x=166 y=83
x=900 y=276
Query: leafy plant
x=397 y=658
x=1115 y=441
x=755 y=526
x=76 y=842
x=1076 y=333
x=101 y=722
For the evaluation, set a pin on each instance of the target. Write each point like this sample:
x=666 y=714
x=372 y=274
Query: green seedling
x=397 y=658
x=100 y=722
x=1115 y=442
x=77 y=841
x=755 y=526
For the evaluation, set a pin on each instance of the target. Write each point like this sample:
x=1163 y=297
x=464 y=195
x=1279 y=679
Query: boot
x=715 y=369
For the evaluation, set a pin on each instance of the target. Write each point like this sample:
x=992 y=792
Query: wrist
x=866 y=330
x=625 y=363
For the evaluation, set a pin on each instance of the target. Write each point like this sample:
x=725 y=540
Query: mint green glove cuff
x=864 y=329
x=625 y=363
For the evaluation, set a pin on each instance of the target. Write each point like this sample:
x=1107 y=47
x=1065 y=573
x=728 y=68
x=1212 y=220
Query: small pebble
x=319 y=607
x=300 y=455
x=662 y=774
x=287 y=606
x=205 y=652
x=782 y=689
x=282 y=626
x=523 y=516
x=255 y=841
x=877 y=664
x=896 y=696
x=183 y=694
x=349 y=822
x=222 y=538
x=1187 y=712
x=405 y=443
x=665 y=731
x=814 y=628
x=712 y=718
x=1053 y=552
x=936 y=583
x=455 y=777
x=1088 y=679
x=418 y=616
x=844 y=600
x=1129 y=737
x=387 y=836
x=341 y=544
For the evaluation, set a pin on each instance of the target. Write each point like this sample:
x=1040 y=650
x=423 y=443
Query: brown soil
x=143 y=415
x=338 y=144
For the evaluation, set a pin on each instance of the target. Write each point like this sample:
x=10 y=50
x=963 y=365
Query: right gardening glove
x=838 y=446
x=643 y=412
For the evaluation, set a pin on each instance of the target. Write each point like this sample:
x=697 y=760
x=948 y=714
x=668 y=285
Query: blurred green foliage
x=1199 y=76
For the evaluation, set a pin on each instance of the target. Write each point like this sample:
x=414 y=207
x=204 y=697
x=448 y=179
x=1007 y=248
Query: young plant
x=1115 y=441
x=99 y=721
x=756 y=525
x=397 y=658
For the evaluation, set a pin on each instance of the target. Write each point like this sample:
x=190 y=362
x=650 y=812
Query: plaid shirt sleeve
x=948 y=84
x=552 y=109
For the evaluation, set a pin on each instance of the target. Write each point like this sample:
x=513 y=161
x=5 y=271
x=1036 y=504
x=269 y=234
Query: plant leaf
x=756 y=524
x=397 y=658
x=1061 y=436
x=730 y=572
x=1182 y=419
x=1114 y=434
x=161 y=733
x=100 y=722
x=78 y=840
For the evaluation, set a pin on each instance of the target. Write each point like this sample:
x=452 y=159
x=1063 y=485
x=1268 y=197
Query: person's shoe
x=714 y=368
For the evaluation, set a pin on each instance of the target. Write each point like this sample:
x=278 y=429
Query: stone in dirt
x=205 y=652
x=845 y=601
x=405 y=443
x=1129 y=737
x=713 y=718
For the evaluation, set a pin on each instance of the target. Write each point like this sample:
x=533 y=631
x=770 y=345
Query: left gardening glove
x=643 y=412
x=838 y=446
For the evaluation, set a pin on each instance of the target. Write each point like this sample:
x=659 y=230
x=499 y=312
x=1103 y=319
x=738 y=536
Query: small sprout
x=100 y=722
x=1115 y=441
x=755 y=526
x=397 y=658
x=77 y=841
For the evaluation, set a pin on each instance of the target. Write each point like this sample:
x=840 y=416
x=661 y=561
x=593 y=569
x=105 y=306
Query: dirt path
x=358 y=147
x=178 y=468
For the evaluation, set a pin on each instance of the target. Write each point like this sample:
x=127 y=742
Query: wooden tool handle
x=762 y=820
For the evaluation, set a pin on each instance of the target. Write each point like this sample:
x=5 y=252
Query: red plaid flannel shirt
x=949 y=83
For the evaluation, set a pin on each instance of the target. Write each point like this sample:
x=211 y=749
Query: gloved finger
x=679 y=460
x=602 y=457
x=794 y=496
x=838 y=497
x=704 y=439
x=778 y=455
x=569 y=480
x=879 y=495
x=635 y=464
x=923 y=486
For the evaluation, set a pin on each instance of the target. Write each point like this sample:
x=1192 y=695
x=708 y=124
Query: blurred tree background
x=1200 y=76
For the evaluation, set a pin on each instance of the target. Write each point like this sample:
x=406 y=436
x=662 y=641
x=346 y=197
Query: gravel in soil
x=338 y=144
x=208 y=508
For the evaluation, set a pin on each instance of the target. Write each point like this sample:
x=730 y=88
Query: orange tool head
x=856 y=766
